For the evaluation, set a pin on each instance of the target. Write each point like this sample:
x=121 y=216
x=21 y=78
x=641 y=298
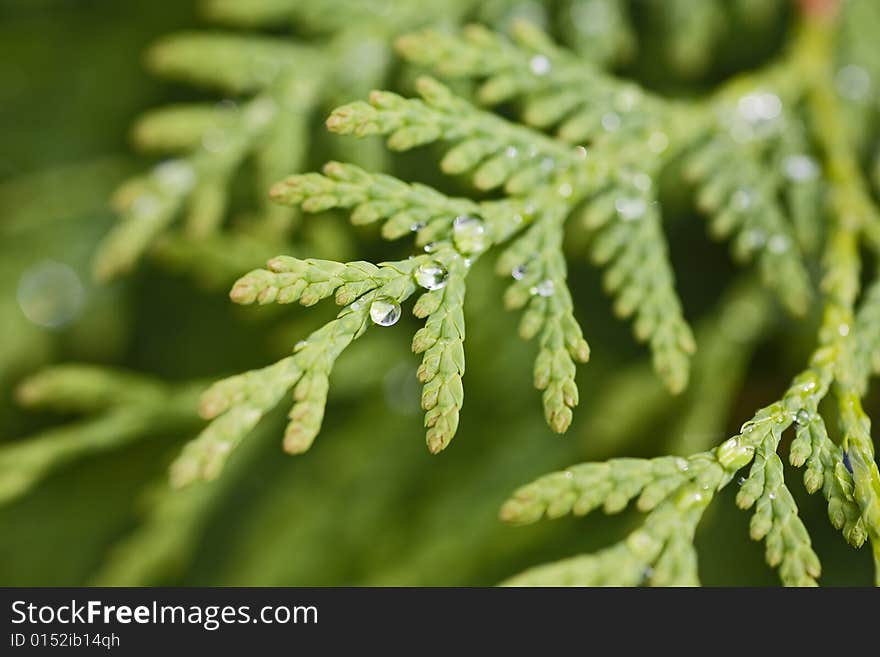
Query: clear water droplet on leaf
x=384 y=312
x=545 y=288
x=431 y=276
x=469 y=234
x=630 y=209
x=540 y=65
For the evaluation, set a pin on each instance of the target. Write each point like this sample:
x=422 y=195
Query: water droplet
x=580 y=152
x=431 y=276
x=740 y=481
x=50 y=294
x=802 y=417
x=778 y=244
x=682 y=464
x=302 y=344
x=630 y=209
x=759 y=107
x=772 y=496
x=260 y=112
x=753 y=239
x=416 y=227
x=511 y=152
x=626 y=99
x=384 y=312
x=568 y=474
x=853 y=82
x=565 y=190
x=610 y=121
x=544 y=289
x=540 y=65
x=800 y=168
x=469 y=234
x=430 y=247
x=518 y=272
x=215 y=141
x=808 y=386
x=742 y=199
x=175 y=176
x=658 y=142
x=642 y=182
x=843 y=329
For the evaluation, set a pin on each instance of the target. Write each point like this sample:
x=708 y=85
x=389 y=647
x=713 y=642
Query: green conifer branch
x=122 y=408
x=852 y=488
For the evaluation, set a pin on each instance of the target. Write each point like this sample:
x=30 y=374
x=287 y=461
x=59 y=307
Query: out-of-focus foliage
x=392 y=513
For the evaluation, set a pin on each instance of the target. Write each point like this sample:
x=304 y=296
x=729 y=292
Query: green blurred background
x=368 y=505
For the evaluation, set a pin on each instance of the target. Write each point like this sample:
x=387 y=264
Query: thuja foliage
x=556 y=150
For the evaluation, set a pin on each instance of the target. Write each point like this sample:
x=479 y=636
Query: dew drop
x=778 y=244
x=430 y=247
x=772 y=496
x=800 y=168
x=802 y=417
x=544 y=289
x=610 y=121
x=302 y=344
x=853 y=82
x=215 y=141
x=759 y=107
x=50 y=294
x=642 y=182
x=742 y=199
x=843 y=329
x=580 y=152
x=809 y=385
x=511 y=152
x=384 y=312
x=175 y=176
x=754 y=239
x=740 y=481
x=565 y=190
x=630 y=209
x=260 y=112
x=625 y=100
x=469 y=234
x=416 y=227
x=658 y=142
x=518 y=272
x=431 y=276
x=540 y=65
